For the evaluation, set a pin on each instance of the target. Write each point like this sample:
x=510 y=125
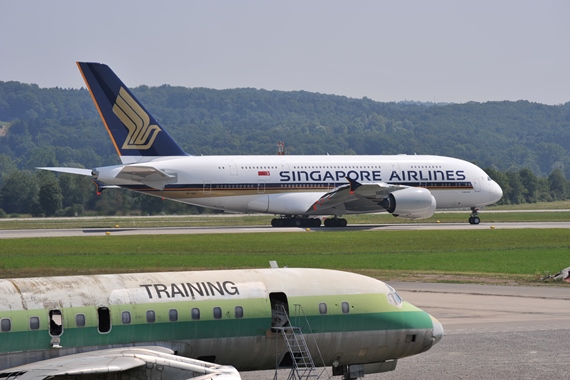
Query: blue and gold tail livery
x=137 y=136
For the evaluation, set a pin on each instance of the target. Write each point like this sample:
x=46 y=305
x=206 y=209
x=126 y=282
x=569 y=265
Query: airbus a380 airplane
x=206 y=325
x=297 y=188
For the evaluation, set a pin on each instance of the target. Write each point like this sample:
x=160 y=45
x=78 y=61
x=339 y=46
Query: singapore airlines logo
x=141 y=134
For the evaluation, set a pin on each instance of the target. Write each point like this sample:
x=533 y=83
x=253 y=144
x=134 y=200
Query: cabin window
x=5 y=324
x=217 y=312
x=34 y=323
x=104 y=319
x=239 y=312
x=345 y=308
x=410 y=338
x=173 y=315
x=55 y=323
x=150 y=316
x=323 y=308
x=80 y=320
x=195 y=314
x=126 y=317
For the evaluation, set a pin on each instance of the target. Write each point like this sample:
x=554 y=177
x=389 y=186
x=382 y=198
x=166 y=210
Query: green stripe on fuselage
x=367 y=313
x=225 y=328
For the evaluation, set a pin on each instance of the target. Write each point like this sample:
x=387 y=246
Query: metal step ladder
x=303 y=366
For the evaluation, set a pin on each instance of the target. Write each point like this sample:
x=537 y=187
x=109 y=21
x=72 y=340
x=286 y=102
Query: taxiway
x=8 y=234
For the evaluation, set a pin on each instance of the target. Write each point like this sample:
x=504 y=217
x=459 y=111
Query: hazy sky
x=443 y=51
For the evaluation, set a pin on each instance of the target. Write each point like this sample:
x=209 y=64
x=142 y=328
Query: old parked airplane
x=206 y=324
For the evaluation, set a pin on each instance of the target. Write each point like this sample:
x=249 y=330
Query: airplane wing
x=132 y=362
x=86 y=172
x=355 y=196
x=147 y=175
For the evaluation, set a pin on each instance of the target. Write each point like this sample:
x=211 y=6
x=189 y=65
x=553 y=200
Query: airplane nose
x=437 y=330
x=496 y=191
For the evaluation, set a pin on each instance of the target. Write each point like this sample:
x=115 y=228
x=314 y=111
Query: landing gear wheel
x=474 y=219
x=335 y=222
x=295 y=222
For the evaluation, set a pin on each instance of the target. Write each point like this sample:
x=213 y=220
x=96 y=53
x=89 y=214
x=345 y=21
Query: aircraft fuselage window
x=34 y=323
x=150 y=316
x=104 y=319
x=55 y=322
x=173 y=315
x=323 y=308
x=239 y=312
x=217 y=312
x=345 y=308
x=80 y=320
x=5 y=324
x=410 y=338
x=126 y=317
x=195 y=314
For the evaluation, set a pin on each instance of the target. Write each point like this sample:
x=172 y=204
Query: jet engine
x=412 y=202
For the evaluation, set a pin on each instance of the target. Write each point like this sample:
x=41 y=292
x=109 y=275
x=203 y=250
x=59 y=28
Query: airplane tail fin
x=137 y=136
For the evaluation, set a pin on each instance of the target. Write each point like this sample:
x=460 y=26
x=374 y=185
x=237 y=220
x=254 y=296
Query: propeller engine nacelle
x=412 y=203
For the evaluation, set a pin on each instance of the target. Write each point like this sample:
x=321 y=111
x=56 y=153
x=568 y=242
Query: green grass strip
x=522 y=252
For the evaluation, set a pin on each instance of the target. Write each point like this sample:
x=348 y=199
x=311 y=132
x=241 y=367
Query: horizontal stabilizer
x=147 y=175
x=80 y=171
x=100 y=186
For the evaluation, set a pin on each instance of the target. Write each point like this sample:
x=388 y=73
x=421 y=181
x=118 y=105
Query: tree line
x=62 y=126
x=525 y=146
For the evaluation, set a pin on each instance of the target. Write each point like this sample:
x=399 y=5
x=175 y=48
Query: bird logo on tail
x=141 y=134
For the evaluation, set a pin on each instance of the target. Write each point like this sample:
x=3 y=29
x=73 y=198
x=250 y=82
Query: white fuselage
x=291 y=184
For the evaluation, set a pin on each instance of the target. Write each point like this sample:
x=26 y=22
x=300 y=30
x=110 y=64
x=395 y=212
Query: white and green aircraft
x=204 y=324
x=300 y=189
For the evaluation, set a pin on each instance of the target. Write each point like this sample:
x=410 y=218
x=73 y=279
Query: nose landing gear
x=473 y=218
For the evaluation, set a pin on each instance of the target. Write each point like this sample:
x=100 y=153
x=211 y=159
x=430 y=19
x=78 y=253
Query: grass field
x=494 y=255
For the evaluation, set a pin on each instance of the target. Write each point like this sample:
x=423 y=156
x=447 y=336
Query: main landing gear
x=335 y=222
x=292 y=221
x=473 y=218
x=295 y=222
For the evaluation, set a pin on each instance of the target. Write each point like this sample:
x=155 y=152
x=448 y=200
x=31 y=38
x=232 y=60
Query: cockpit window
x=393 y=297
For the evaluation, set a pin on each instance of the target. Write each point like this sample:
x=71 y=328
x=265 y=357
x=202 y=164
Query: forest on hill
x=61 y=127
